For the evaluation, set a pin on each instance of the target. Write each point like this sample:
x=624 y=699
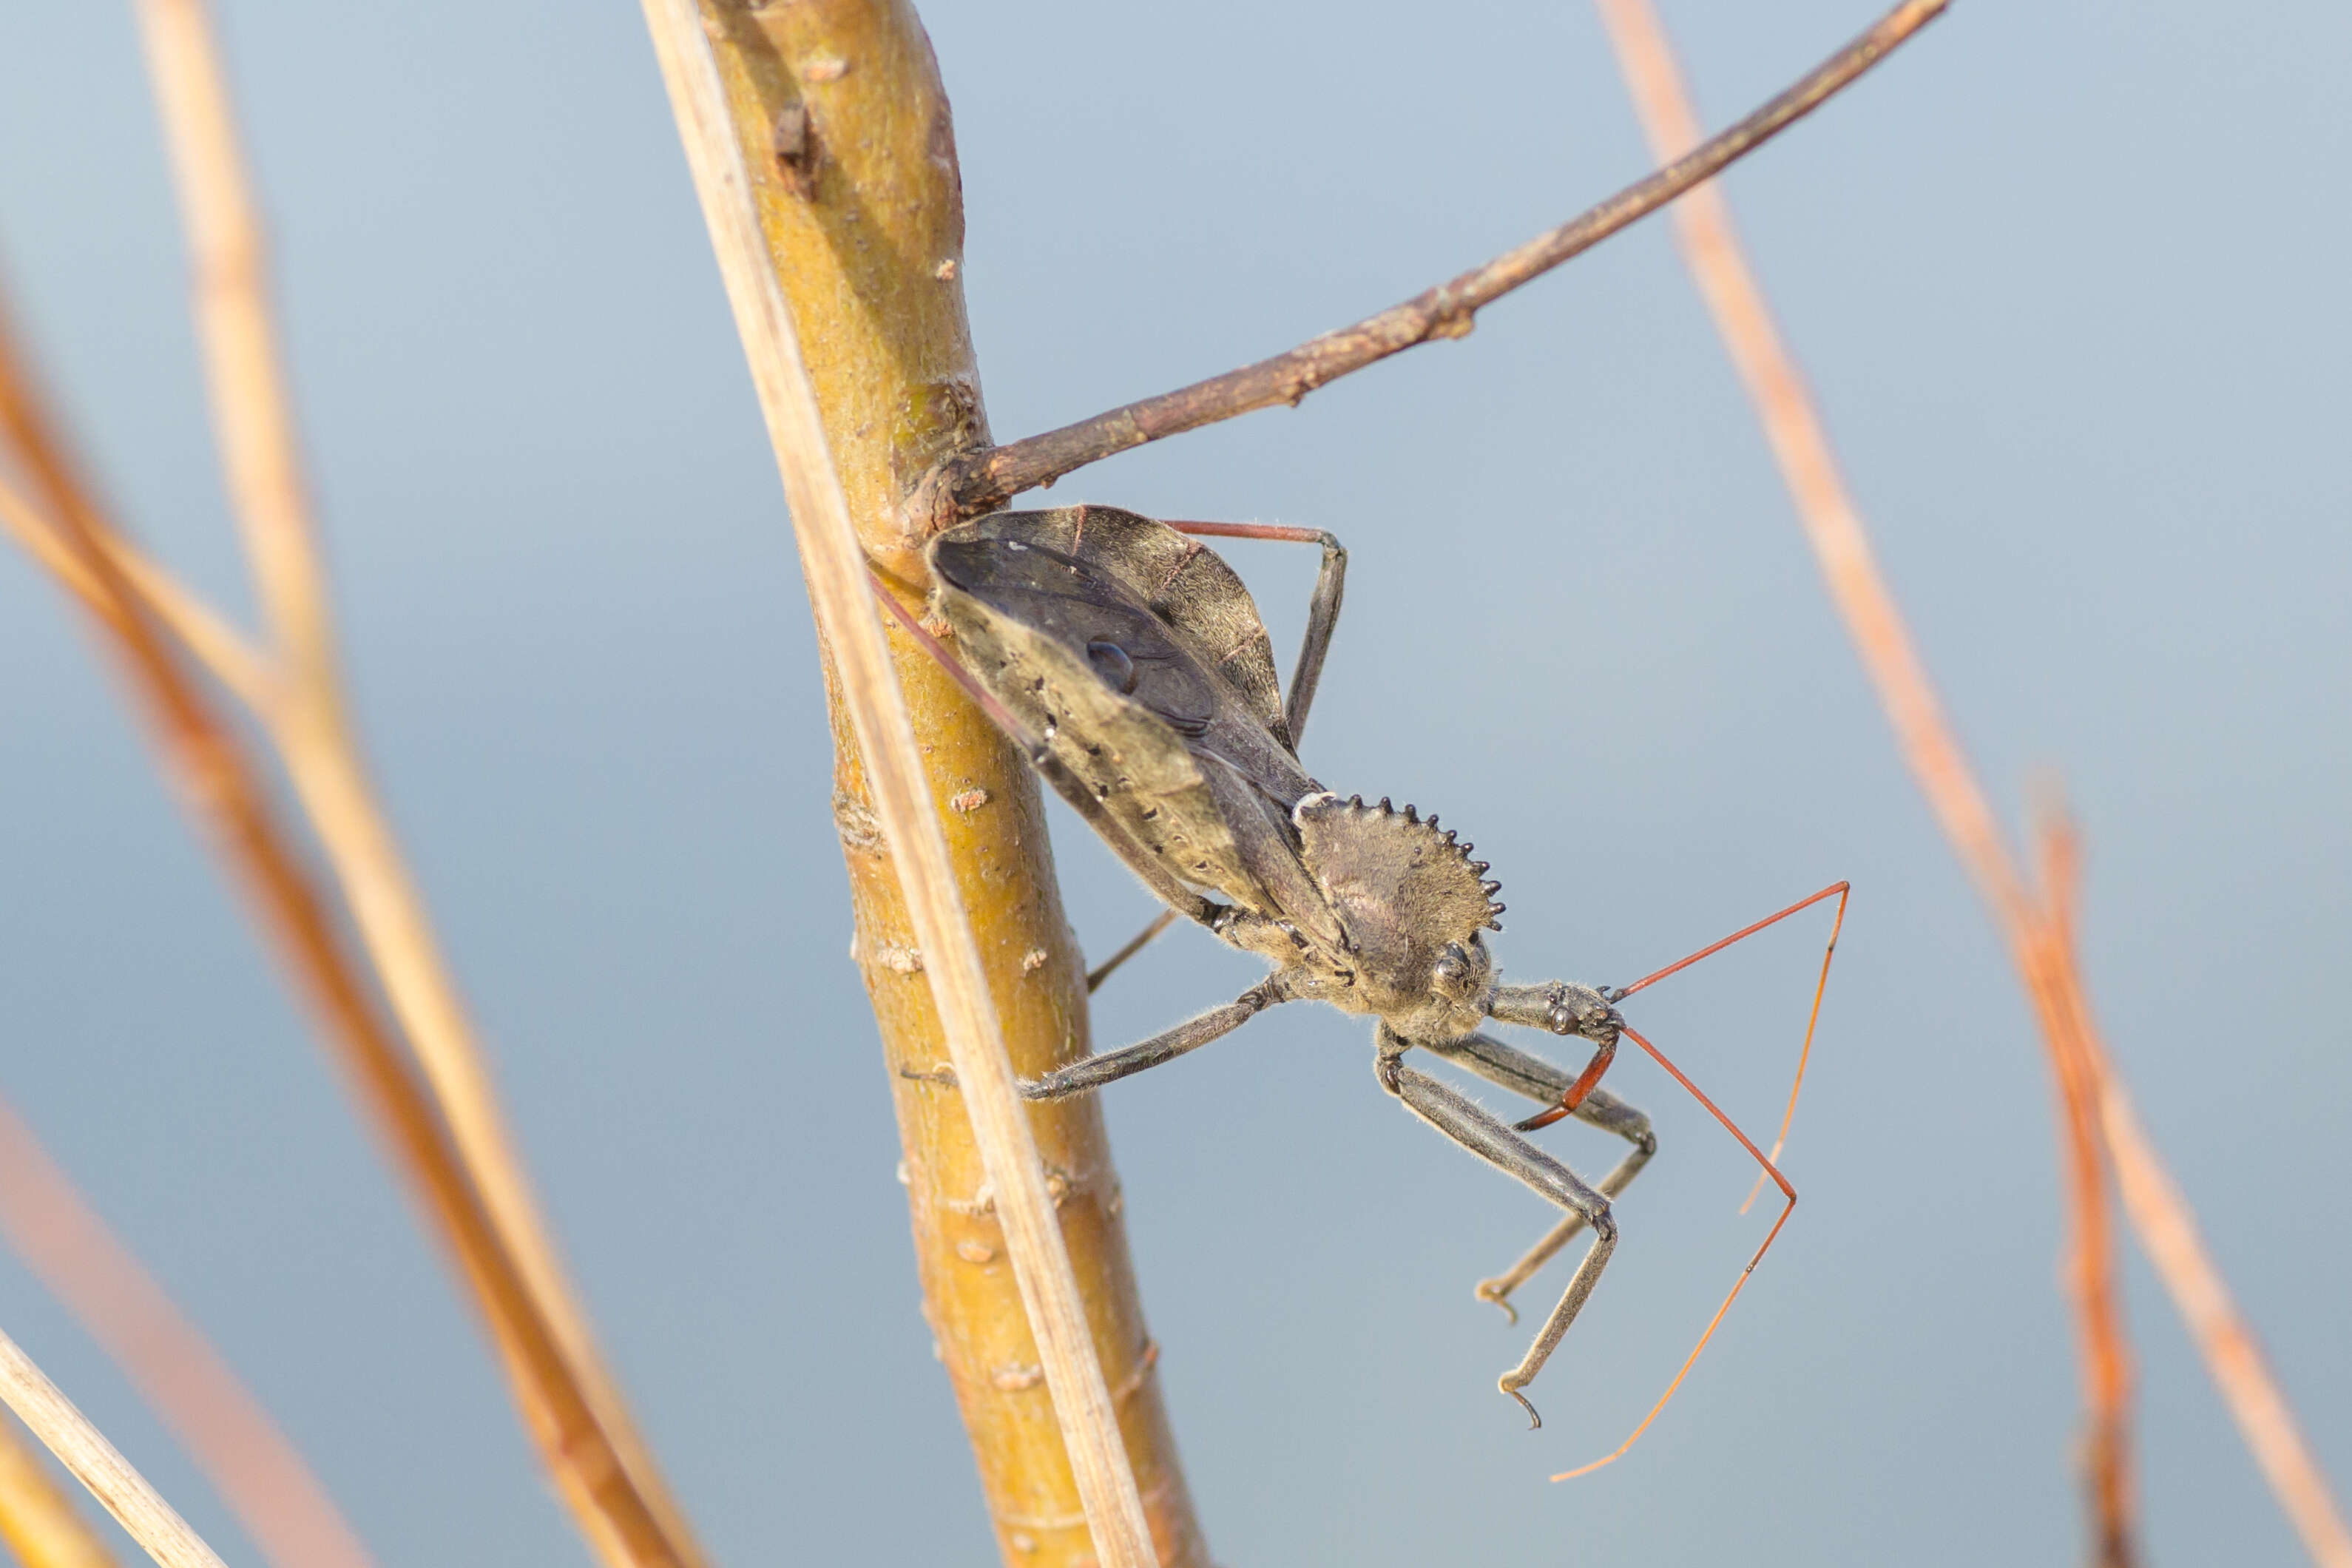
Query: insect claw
x=1474 y=864
x=1386 y=808
x=1488 y=1291
x=1492 y=887
x=1410 y=814
x=1534 y=1420
x=1356 y=801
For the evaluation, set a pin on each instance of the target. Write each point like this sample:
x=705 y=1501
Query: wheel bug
x=1129 y=663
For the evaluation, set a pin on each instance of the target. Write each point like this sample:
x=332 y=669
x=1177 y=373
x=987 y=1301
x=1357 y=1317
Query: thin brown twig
x=66 y=1432
x=232 y=1439
x=38 y=1522
x=2159 y=1215
x=260 y=452
x=225 y=789
x=981 y=480
x=836 y=569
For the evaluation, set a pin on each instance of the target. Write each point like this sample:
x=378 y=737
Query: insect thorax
x=1410 y=900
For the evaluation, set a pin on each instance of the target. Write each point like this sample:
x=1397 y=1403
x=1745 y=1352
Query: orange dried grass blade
x=258 y=1472
x=1790 y=1207
x=1834 y=526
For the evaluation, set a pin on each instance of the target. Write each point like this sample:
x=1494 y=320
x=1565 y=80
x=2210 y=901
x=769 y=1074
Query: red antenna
x=1772 y=1171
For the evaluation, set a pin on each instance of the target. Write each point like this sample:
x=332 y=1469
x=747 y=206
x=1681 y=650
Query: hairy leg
x=1484 y=1134
x=1526 y=1074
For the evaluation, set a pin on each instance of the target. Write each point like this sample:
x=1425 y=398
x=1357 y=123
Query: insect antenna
x=1592 y=1074
x=1770 y=1170
x=1788 y=1208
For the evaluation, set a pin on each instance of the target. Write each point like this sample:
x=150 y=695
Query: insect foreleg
x=1111 y=1065
x=1480 y=1131
x=1526 y=1074
x=1601 y=1109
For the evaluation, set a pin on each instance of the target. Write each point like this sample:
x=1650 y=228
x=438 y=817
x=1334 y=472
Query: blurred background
x=2060 y=275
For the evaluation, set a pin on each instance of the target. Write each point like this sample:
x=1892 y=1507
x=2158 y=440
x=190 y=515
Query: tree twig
x=983 y=480
x=254 y=418
x=1834 y=527
x=232 y=1439
x=49 y=1415
x=835 y=566
x=38 y=1522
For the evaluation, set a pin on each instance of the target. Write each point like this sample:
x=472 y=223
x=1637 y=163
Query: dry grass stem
x=2091 y=1252
x=984 y=479
x=240 y=1449
x=253 y=414
x=84 y=1450
x=2038 y=930
x=220 y=647
x=225 y=789
x=38 y=1522
x=835 y=566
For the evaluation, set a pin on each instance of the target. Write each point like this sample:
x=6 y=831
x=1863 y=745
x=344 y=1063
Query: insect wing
x=1133 y=706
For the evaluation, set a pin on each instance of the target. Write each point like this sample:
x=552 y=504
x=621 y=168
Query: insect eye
x=1454 y=964
x=1112 y=663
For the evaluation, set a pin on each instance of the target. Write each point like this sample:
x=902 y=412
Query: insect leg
x=1322 y=610
x=1137 y=943
x=1484 y=1134
x=1539 y=1080
x=1094 y=1071
x=1602 y=1110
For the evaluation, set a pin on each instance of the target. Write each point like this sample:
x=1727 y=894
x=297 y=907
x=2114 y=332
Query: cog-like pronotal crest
x=1377 y=857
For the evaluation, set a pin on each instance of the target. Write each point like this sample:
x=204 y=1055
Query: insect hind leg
x=1322 y=608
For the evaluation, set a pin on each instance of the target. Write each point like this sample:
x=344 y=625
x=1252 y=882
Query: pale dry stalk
x=224 y=790
x=38 y=1522
x=220 y=647
x=2159 y=1215
x=835 y=566
x=254 y=419
x=240 y=1449
x=49 y=1415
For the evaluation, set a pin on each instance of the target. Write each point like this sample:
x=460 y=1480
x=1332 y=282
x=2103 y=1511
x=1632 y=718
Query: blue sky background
x=2068 y=280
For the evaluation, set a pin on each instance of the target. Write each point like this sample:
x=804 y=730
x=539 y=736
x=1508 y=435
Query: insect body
x=1130 y=662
